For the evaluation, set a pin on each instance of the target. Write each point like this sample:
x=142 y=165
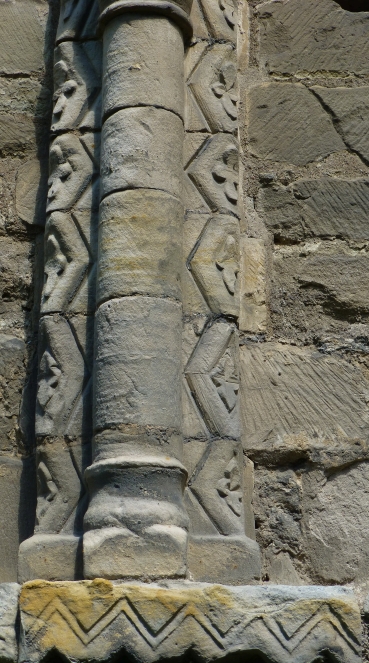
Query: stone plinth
x=100 y=621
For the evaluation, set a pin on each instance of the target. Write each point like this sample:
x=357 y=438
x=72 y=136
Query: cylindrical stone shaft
x=136 y=523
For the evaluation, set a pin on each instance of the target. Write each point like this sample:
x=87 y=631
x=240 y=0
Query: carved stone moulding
x=178 y=11
x=100 y=621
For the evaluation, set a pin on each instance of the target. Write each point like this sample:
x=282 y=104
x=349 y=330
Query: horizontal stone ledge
x=100 y=621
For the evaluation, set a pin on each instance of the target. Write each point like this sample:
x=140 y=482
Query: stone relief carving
x=215 y=172
x=73 y=176
x=63 y=381
x=221 y=18
x=77 y=82
x=213 y=84
x=78 y=19
x=215 y=264
x=69 y=262
x=212 y=374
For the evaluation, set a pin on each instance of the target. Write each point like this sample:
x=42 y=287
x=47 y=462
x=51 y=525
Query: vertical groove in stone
x=63 y=408
x=136 y=524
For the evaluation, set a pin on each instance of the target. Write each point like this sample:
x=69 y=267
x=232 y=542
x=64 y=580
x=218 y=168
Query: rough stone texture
x=253 y=293
x=138 y=364
x=286 y=625
x=326 y=207
x=143 y=70
x=290 y=111
x=21 y=37
x=9 y=594
x=148 y=154
x=313 y=37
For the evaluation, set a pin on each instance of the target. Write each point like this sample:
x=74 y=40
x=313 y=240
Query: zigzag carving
x=223 y=639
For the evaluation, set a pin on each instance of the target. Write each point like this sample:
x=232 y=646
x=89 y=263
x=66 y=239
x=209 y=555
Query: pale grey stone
x=143 y=64
x=142 y=148
x=231 y=560
x=349 y=109
x=299 y=130
x=138 y=362
x=77 y=82
x=64 y=384
x=336 y=535
x=253 y=286
x=9 y=594
x=215 y=173
x=326 y=207
x=215 y=264
x=21 y=38
x=131 y=532
x=154 y=622
x=74 y=168
x=313 y=37
x=51 y=557
x=213 y=87
x=140 y=246
x=221 y=19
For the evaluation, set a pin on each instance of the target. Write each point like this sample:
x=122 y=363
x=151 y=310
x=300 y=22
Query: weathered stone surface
x=349 y=108
x=212 y=89
x=293 y=113
x=50 y=556
x=9 y=594
x=64 y=377
x=212 y=375
x=21 y=37
x=215 y=173
x=12 y=374
x=17 y=134
x=78 y=19
x=140 y=247
x=130 y=532
x=253 y=295
x=143 y=63
x=77 y=83
x=221 y=19
x=298 y=403
x=150 y=622
x=148 y=153
x=335 y=533
x=31 y=191
x=138 y=352
x=313 y=37
x=325 y=207
x=192 y=299
x=17 y=495
x=231 y=560
x=214 y=264
x=74 y=166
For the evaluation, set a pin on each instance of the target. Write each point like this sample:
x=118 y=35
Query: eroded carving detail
x=77 y=96
x=212 y=374
x=73 y=172
x=215 y=172
x=78 y=19
x=215 y=264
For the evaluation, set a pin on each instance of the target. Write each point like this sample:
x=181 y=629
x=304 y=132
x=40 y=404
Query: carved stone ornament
x=78 y=19
x=77 y=96
x=99 y=621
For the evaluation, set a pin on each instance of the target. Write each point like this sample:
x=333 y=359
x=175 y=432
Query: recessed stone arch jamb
x=136 y=524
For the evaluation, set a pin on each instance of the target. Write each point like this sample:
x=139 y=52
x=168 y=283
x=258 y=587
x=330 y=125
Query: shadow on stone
x=354 y=5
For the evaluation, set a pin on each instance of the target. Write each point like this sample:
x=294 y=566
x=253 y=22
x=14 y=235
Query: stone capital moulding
x=178 y=11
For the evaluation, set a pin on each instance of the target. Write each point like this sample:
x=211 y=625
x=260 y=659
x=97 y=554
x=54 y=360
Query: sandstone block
x=12 y=375
x=313 y=37
x=349 y=108
x=138 y=363
x=17 y=134
x=301 y=404
x=31 y=191
x=140 y=245
x=9 y=594
x=21 y=38
x=227 y=560
x=299 y=130
x=148 y=153
x=326 y=207
x=253 y=308
x=50 y=556
x=152 y=622
x=142 y=67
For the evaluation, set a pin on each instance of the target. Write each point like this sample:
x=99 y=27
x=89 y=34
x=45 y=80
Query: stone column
x=136 y=524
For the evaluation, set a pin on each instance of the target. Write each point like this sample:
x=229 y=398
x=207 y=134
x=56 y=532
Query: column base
x=51 y=557
x=229 y=560
x=115 y=552
x=104 y=622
